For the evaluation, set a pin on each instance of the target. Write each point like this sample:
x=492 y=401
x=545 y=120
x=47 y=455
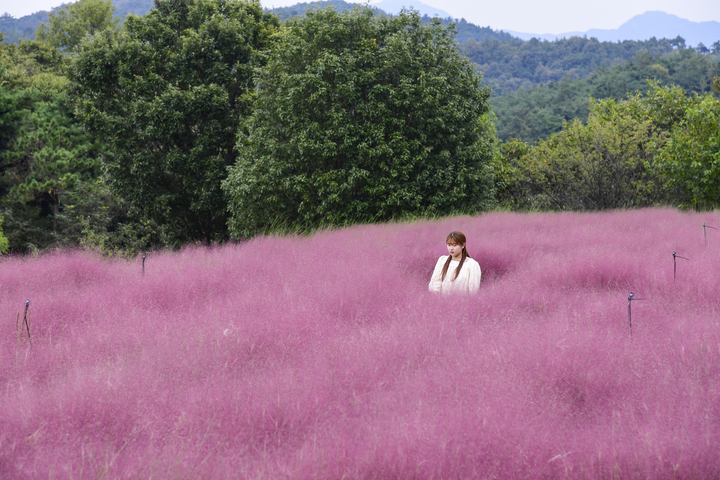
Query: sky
x=529 y=16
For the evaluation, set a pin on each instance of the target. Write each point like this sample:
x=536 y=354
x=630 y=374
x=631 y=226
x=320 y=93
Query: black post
x=143 y=270
x=675 y=255
x=25 y=319
x=674 y=266
x=631 y=297
x=705 y=227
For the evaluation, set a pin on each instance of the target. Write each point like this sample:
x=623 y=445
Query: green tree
x=610 y=162
x=4 y=244
x=38 y=157
x=359 y=118
x=72 y=23
x=50 y=191
x=168 y=93
x=8 y=110
x=512 y=188
x=692 y=155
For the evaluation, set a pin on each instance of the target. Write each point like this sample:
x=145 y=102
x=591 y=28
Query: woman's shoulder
x=471 y=261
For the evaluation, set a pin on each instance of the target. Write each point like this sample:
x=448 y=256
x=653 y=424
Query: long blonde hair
x=457 y=238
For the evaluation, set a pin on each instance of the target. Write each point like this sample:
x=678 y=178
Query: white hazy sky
x=530 y=16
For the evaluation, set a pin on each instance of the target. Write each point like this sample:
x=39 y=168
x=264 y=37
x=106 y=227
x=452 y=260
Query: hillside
x=14 y=29
x=508 y=63
x=465 y=30
x=514 y=64
x=24 y=28
x=534 y=113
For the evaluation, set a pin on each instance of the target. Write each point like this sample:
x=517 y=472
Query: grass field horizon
x=326 y=357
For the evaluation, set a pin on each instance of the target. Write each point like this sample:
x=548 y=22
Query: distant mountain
x=137 y=7
x=394 y=6
x=22 y=28
x=284 y=13
x=643 y=27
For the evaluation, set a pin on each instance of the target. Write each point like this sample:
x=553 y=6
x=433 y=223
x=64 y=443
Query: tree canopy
x=168 y=92
x=360 y=118
x=70 y=24
x=660 y=147
x=692 y=156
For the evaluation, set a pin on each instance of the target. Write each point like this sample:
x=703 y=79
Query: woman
x=457 y=272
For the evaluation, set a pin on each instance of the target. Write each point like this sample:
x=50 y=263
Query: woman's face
x=455 y=249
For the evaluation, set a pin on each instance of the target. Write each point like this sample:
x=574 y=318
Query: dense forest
x=514 y=64
x=536 y=85
x=253 y=124
x=534 y=113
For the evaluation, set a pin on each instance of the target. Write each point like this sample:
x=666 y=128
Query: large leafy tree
x=168 y=93
x=653 y=148
x=692 y=154
x=51 y=190
x=72 y=23
x=360 y=117
x=45 y=152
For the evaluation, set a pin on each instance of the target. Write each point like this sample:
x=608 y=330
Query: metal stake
x=675 y=263
x=25 y=316
x=705 y=231
x=631 y=297
x=143 y=270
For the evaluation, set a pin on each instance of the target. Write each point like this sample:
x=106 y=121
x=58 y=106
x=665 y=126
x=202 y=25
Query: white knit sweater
x=468 y=281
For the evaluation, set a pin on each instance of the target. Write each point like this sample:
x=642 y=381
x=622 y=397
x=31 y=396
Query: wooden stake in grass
x=631 y=297
x=705 y=227
x=675 y=256
x=143 y=266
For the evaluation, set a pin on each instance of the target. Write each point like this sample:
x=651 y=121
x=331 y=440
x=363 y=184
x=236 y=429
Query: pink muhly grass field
x=326 y=357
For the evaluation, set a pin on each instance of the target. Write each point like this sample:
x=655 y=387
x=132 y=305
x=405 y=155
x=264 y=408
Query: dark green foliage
x=9 y=114
x=536 y=113
x=69 y=25
x=168 y=94
x=300 y=8
x=50 y=192
x=510 y=65
x=46 y=154
x=48 y=157
x=361 y=118
x=4 y=244
x=692 y=155
x=94 y=218
x=661 y=147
